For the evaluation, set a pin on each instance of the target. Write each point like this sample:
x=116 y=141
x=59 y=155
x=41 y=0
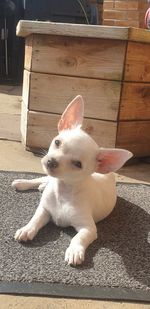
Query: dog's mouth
x=50 y=166
x=51 y=172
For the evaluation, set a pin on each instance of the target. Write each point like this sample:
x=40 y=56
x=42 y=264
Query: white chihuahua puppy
x=80 y=189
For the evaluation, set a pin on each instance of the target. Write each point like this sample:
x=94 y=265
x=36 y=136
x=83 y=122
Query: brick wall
x=124 y=12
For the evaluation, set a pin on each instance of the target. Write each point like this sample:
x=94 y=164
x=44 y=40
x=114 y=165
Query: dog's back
x=103 y=188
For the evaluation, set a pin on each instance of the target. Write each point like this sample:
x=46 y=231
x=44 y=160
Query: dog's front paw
x=41 y=187
x=74 y=255
x=20 y=184
x=25 y=233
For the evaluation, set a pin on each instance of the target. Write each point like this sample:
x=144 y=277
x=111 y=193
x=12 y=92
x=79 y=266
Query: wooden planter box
x=108 y=66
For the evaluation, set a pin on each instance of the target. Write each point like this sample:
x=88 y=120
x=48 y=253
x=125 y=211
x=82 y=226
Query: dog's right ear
x=73 y=114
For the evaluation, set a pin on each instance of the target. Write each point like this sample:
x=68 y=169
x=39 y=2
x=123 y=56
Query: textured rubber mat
x=116 y=265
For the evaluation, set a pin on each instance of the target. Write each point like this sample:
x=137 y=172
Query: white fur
x=73 y=196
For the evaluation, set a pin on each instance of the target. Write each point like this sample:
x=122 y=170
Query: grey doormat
x=117 y=264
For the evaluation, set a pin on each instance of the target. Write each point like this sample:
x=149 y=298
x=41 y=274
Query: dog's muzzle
x=52 y=163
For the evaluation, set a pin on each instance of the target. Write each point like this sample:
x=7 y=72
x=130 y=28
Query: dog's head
x=73 y=154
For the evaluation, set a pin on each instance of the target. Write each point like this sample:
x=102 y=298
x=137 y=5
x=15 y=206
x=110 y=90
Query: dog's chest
x=61 y=205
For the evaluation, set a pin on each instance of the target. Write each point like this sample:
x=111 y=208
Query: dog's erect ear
x=73 y=114
x=111 y=160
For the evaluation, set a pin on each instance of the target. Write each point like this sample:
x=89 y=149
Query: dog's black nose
x=52 y=163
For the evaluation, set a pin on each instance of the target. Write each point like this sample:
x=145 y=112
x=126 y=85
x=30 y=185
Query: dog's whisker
x=41 y=152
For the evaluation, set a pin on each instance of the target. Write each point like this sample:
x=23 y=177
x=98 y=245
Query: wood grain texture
x=139 y=35
x=24 y=122
x=135 y=101
x=26 y=88
x=26 y=27
x=137 y=66
x=28 y=51
x=91 y=58
x=42 y=128
x=52 y=93
x=134 y=136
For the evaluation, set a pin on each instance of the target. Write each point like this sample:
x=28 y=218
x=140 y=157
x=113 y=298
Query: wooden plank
x=26 y=87
x=135 y=101
x=91 y=58
x=51 y=93
x=139 y=35
x=24 y=122
x=42 y=128
x=103 y=132
x=28 y=51
x=134 y=136
x=137 y=66
x=26 y=27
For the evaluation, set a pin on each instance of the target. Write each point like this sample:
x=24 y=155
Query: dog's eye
x=77 y=164
x=57 y=142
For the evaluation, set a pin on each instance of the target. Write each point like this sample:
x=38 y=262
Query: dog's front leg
x=76 y=251
x=29 y=231
x=27 y=184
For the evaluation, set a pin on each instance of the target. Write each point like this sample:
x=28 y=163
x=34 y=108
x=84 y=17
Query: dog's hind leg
x=27 y=184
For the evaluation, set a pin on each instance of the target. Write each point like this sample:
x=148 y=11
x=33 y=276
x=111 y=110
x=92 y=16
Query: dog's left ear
x=73 y=115
x=111 y=160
